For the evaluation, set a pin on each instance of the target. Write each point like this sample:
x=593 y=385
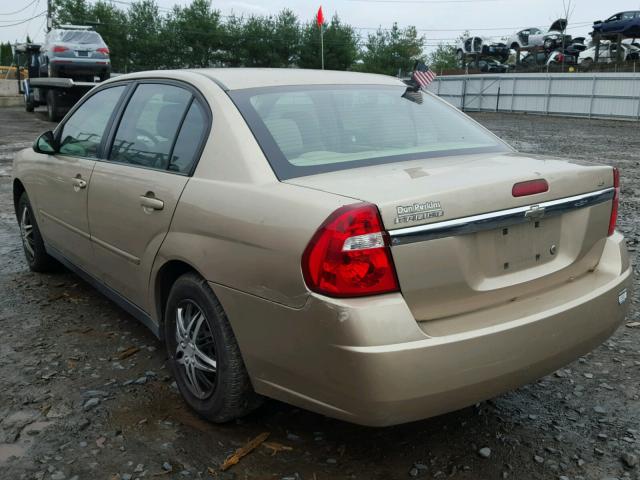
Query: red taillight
x=59 y=49
x=530 y=187
x=615 y=202
x=349 y=255
x=103 y=50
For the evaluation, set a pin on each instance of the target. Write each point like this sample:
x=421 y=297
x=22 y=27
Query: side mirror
x=45 y=143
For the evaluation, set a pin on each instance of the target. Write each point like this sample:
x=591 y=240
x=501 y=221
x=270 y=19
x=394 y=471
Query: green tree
x=147 y=45
x=75 y=12
x=110 y=22
x=234 y=52
x=286 y=39
x=340 y=46
x=6 y=55
x=257 y=40
x=393 y=51
x=195 y=36
x=443 y=57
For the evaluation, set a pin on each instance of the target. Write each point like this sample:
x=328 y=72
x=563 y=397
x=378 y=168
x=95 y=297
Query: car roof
x=241 y=78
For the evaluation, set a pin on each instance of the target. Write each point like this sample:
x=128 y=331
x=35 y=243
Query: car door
x=64 y=178
x=612 y=23
x=134 y=193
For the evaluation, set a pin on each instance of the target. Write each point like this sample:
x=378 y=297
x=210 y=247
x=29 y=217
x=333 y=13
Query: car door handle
x=151 y=202
x=78 y=183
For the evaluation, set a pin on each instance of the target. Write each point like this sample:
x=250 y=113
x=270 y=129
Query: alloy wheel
x=26 y=232
x=195 y=349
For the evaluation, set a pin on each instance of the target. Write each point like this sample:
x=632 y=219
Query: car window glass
x=628 y=15
x=149 y=125
x=189 y=138
x=320 y=128
x=82 y=133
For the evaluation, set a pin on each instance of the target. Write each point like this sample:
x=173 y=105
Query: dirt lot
x=72 y=407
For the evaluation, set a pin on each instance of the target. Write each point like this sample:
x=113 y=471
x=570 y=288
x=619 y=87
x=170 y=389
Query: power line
x=22 y=9
x=26 y=28
x=426 y=2
x=23 y=21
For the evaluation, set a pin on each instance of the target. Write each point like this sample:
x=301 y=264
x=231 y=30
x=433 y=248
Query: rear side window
x=82 y=133
x=189 y=139
x=149 y=125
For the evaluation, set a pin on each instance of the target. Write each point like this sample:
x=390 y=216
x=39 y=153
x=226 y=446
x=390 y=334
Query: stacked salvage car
x=535 y=48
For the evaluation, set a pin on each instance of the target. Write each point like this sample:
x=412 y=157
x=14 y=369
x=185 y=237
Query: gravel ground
x=73 y=407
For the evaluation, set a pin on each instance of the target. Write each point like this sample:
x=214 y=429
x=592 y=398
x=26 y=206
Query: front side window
x=315 y=129
x=82 y=133
x=149 y=125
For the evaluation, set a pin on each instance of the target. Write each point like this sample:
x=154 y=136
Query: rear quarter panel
x=236 y=224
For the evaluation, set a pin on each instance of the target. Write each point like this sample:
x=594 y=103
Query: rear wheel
x=53 y=108
x=203 y=353
x=28 y=102
x=32 y=243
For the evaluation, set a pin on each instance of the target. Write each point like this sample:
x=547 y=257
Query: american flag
x=422 y=75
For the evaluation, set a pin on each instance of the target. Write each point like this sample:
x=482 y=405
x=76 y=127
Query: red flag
x=320 y=17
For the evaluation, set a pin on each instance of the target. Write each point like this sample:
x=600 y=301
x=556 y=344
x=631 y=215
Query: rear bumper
x=368 y=361
x=81 y=65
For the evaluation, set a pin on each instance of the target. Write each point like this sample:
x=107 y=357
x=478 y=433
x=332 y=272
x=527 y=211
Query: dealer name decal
x=418 y=211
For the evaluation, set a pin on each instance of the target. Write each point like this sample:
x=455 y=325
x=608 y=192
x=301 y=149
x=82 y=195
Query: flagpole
x=322 y=45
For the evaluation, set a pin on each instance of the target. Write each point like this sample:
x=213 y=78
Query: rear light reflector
x=59 y=49
x=349 y=255
x=615 y=202
x=530 y=187
x=103 y=50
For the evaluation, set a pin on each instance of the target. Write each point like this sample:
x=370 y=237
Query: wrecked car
x=481 y=46
x=488 y=65
x=534 y=37
x=325 y=239
x=623 y=23
x=608 y=53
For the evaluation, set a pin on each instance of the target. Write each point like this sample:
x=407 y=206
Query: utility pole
x=49 y=15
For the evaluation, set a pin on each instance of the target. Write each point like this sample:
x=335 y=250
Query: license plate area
x=82 y=53
x=518 y=247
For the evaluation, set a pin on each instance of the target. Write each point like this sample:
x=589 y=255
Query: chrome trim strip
x=498 y=219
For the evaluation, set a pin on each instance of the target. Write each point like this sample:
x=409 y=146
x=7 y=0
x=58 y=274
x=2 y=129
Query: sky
x=438 y=20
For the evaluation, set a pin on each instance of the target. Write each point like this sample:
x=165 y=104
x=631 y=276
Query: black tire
x=232 y=395
x=53 y=108
x=38 y=260
x=51 y=71
x=28 y=103
x=105 y=76
x=587 y=63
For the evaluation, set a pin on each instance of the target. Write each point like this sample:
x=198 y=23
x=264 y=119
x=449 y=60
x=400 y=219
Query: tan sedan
x=337 y=241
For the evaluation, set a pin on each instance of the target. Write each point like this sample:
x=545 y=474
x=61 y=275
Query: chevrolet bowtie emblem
x=535 y=212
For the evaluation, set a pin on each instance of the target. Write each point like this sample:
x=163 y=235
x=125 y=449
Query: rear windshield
x=81 y=37
x=317 y=129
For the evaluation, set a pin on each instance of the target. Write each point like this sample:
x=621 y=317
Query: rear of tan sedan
x=389 y=291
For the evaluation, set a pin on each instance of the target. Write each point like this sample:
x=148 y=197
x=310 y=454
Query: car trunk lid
x=494 y=247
